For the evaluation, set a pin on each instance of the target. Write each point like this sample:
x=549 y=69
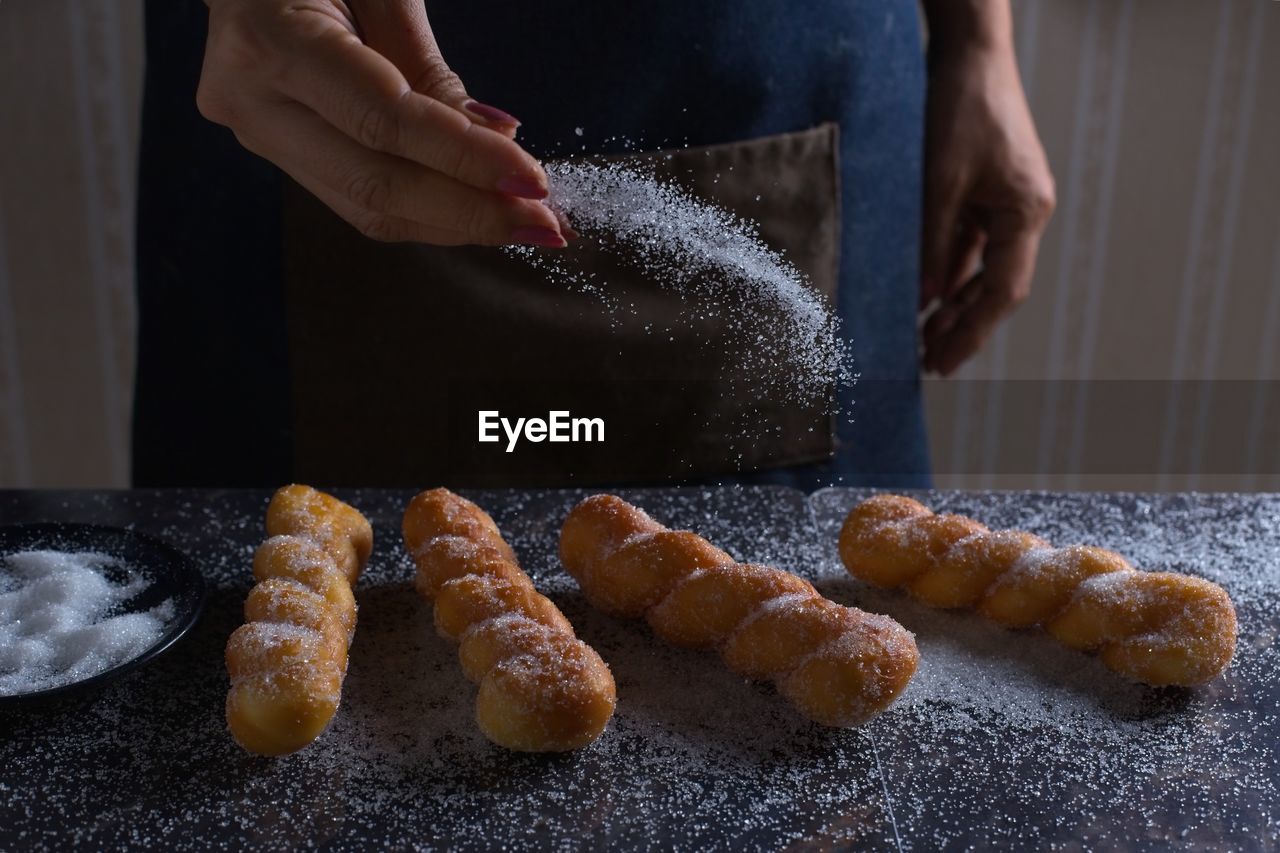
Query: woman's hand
x=354 y=101
x=988 y=196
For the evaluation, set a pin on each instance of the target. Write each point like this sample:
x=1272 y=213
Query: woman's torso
x=218 y=371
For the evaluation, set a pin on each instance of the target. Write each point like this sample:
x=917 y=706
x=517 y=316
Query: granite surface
x=1002 y=739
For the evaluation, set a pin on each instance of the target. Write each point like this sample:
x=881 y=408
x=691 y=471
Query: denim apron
x=276 y=343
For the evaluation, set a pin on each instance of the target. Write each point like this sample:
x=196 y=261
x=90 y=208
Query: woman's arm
x=988 y=189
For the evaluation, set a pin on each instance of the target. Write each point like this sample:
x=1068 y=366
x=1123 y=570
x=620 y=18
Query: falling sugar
x=789 y=337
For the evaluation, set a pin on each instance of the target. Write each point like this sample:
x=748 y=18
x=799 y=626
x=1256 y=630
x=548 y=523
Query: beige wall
x=70 y=78
x=1163 y=261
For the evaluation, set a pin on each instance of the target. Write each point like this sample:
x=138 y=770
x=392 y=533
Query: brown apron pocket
x=395 y=350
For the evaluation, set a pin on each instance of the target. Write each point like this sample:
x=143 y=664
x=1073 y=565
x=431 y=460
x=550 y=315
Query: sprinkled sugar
x=1008 y=737
x=713 y=257
x=1005 y=739
x=55 y=622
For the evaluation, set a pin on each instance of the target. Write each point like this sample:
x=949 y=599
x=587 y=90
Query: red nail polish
x=569 y=232
x=489 y=113
x=535 y=235
x=522 y=187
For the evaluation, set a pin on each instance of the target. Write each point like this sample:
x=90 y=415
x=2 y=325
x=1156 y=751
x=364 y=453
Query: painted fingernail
x=489 y=113
x=536 y=235
x=570 y=233
x=522 y=187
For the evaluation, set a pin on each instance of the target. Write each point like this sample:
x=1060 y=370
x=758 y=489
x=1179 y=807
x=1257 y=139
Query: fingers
x=364 y=95
x=381 y=227
x=399 y=30
x=964 y=261
x=966 y=255
x=499 y=121
x=297 y=85
x=566 y=228
x=942 y=205
x=966 y=319
x=390 y=198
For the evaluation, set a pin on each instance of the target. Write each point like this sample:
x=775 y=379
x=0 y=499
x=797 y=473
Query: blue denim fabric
x=661 y=73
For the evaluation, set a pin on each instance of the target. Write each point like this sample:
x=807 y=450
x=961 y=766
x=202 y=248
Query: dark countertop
x=1003 y=738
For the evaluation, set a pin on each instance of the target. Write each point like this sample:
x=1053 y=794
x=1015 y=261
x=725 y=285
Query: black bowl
x=169 y=573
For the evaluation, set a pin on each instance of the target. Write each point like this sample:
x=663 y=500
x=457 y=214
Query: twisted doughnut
x=838 y=665
x=1155 y=627
x=288 y=660
x=343 y=533
x=541 y=688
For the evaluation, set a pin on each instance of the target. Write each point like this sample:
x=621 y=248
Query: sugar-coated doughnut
x=268 y=646
x=1159 y=628
x=853 y=677
x=553 y=697
x=280 y=711
x=281 y=601
x=438 y=512
x=838 y=665
x=541 y=688
x=340 y=529
x=288 y=660
x=707 y=605
x=782 y=631
x=449 y=557
x=464 y=601
x=645 y=569
x=486 y=643
x=306 y=562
